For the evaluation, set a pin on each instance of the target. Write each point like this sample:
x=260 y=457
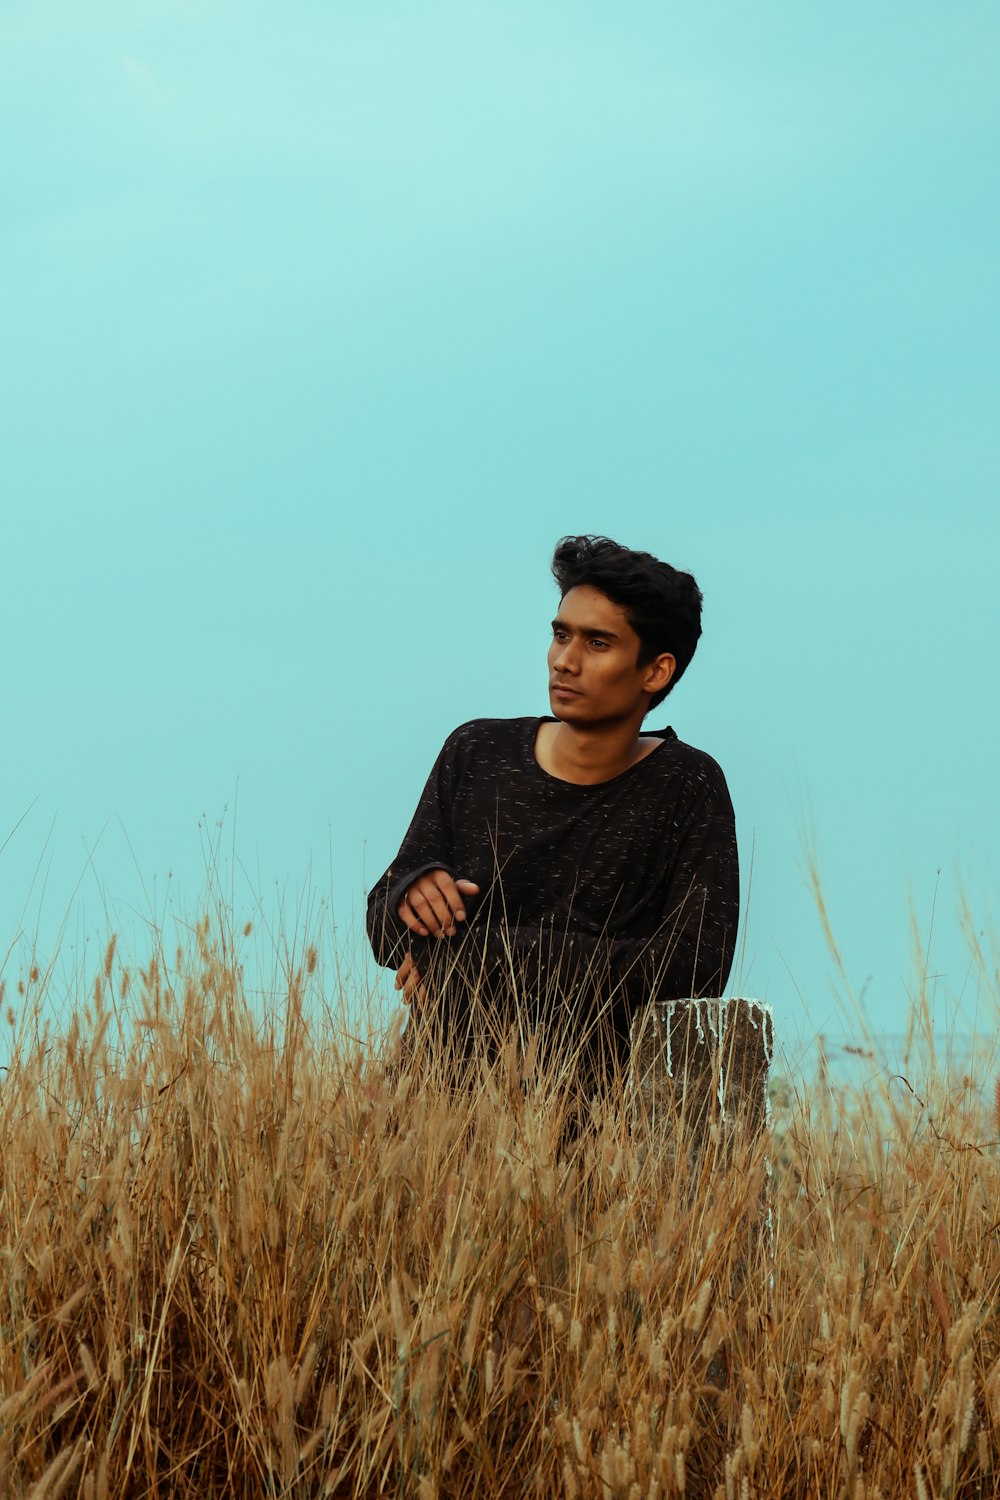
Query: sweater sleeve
x=426 y=846
x=691 y=954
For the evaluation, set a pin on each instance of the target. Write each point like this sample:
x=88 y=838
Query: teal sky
x=321 y=324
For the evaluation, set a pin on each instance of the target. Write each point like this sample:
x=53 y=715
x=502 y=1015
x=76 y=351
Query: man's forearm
x=553 y=967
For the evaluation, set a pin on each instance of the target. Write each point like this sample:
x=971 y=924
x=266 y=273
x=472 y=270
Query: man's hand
x=408 y=980
x=433 y=904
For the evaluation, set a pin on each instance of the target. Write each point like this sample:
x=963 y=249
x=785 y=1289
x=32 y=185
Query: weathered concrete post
x=702 y=1063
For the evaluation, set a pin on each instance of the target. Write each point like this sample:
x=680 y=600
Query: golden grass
x=242 y=1256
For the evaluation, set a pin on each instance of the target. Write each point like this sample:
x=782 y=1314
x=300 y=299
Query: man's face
x=594 y=674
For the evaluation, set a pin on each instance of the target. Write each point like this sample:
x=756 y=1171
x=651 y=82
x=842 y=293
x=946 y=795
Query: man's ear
x=660 y=672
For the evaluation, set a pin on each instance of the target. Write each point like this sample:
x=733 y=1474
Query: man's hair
x=662 y=605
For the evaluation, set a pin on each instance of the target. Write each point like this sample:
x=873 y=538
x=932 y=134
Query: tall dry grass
x=243 y=1256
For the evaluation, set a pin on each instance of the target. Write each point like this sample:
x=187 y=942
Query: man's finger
x=431 y=907
x=444 y=889
x=405 y=913
x=408 y=980
x=434 y=903
x=453 y=892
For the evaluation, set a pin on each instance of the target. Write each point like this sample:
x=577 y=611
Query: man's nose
x=566 y=660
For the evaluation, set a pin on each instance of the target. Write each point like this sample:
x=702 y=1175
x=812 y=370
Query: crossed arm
x=431 y=907
x=689 y=954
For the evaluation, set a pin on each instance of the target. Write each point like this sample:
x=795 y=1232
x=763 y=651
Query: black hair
x=662 y=605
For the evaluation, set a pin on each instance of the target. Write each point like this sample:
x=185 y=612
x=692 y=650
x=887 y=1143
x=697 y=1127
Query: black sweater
x=623 y=890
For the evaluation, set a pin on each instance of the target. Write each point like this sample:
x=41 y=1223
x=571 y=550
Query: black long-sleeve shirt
x=619 y=891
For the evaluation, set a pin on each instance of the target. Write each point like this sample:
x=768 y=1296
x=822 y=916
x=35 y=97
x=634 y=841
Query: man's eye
x=598 y=642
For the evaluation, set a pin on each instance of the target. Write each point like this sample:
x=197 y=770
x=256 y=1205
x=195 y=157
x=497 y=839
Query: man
x=571 y=868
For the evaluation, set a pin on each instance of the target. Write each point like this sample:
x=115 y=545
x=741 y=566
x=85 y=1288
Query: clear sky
x=321 y=323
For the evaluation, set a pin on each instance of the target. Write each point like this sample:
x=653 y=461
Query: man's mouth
x=560 y=687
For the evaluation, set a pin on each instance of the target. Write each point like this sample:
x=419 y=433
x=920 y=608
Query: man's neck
x=590 y=755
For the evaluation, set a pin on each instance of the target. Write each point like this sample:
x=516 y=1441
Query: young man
x=571 y=868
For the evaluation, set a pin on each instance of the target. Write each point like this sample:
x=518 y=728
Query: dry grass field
x=243 y=1256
